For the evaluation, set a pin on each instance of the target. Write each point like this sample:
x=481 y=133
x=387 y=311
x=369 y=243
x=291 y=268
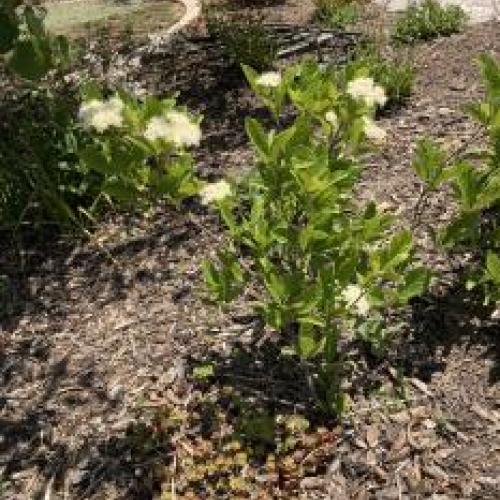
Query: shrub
x=243 y=37
x=322 y=263
x=428 y=20
x=476 y=188
x=57 y=169
x=396 y=75
x=337 y=13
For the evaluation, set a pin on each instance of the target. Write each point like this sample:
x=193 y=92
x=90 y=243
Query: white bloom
x=269 y=79
x=354 y=297
x=215 y=192
x=174 y=127
x=372 y=131
x=157 y=128
x=332 y=118
x=365 y=89
x=101 y=115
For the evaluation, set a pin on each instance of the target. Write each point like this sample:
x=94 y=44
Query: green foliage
x=321 y=262
x=476 y=188
x=337 y=13
x=133 y=169
x=40 y=177
x=57 y=169
x=396 y=75
x=427 y=20
x=244 y=38
x=28 y=50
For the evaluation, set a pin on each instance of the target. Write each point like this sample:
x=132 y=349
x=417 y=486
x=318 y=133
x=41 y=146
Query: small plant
x=137 y=149
x=322 y=264
x=427 y=20
x=396 y=76
x=243 y=37
x=476 y=188
x=337 y=13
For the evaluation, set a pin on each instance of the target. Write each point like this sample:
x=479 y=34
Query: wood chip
x=421 y=386
x=483 y=413
x=372 y=435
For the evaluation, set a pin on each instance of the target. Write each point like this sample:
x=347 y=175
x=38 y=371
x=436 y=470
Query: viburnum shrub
x=58 y=165
x=396 y=75
x=476 y=188
x=243 y=36
x=324 y=265
x=138 y=150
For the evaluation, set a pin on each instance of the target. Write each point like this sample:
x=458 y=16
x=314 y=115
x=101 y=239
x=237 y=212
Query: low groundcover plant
x=324 y=265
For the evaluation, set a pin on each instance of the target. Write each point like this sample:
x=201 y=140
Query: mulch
x=93 y=349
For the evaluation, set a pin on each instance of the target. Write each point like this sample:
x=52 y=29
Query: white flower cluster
x=365 y=89
x=100 y=115
x=355 y=298
x=175 y=127
x=269 y=79
x=214 y=192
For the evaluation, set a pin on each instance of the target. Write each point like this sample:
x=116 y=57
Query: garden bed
x=94 y=400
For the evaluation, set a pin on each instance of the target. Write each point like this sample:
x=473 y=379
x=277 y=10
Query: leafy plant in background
x=25 y=45
x=396 y=75
x=323 y=265
x=427 y=20
x=139 y=150
x=476 y=188
x=337 y=13
x=243 y=37
x=57 y=169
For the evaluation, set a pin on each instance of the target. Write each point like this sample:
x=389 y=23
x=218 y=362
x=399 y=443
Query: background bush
x=243 y=37
x=427 y=20
x=337 y=13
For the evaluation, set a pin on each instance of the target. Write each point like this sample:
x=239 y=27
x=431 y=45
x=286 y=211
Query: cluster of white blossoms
x=372 y=131
x=101 y=115
x=365 y=89
x=175 y=127
x=355 y=298
x=269 y=79
x=216 y=191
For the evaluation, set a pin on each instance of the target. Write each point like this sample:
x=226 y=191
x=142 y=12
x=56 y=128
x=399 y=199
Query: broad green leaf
x=493 y=266
x=258 y=137
x=415 y=283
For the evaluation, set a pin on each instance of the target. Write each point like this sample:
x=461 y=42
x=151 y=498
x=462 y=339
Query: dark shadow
x=440 y=322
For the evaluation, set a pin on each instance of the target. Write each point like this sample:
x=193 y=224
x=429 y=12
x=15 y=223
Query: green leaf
x=204 y=371
x=493 y=267
x=258 y=136
x=467 y=185
x=29 y=60
x=396 y=253
x=307 y=343
x=416 y=282
x=429 y=163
